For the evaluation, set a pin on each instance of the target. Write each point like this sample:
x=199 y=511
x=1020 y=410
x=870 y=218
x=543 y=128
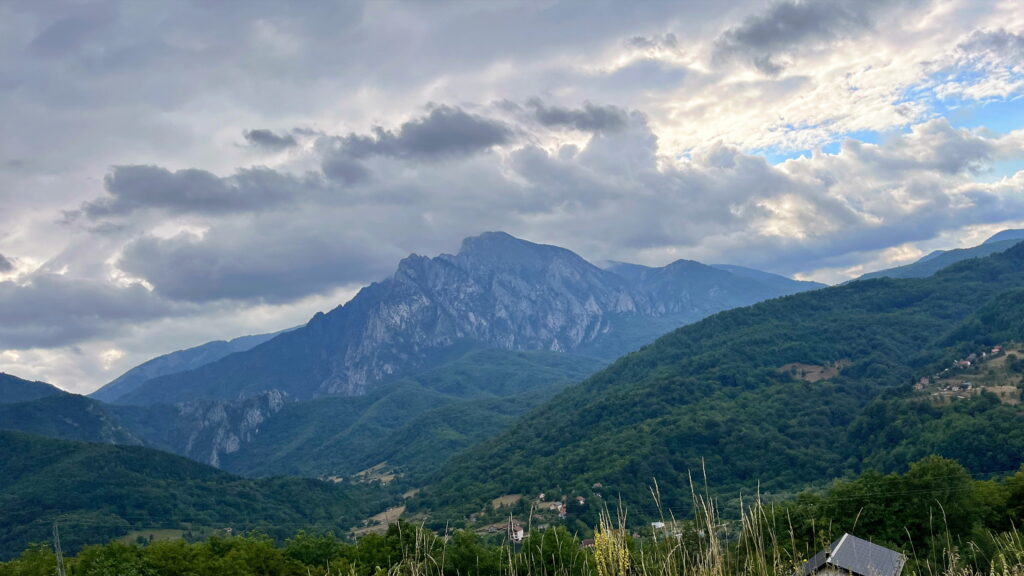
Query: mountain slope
x=175 y=362
x=99 y=492
x=784 y=284
x=470 y=397
x=1005 y=235
x=69 y=417
x=414 y=424
x=39 y=408
x=762 y=396
x=940 y=259
x=14 y=389
x=498 y=291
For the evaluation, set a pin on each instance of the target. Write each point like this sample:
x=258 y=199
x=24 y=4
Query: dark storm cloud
x=589 y=118
x=52 y=310
x=134 y=188
x=288 y=262
x=787 y=26
x=262 y=138
x=5 y=264
x=340 y=167
x=445 y=132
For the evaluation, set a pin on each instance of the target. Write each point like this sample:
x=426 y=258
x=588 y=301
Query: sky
x=178 y=172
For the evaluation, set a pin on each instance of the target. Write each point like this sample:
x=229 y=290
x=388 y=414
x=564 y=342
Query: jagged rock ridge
x=498 y=290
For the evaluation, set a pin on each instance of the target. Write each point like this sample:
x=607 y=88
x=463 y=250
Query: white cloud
x=623 y=132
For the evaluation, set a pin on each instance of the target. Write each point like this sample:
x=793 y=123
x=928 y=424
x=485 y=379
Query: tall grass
x=696 y=546
x=761 y=542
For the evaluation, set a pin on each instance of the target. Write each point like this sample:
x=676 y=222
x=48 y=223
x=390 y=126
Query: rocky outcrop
x=497 y=290
x=208 y=430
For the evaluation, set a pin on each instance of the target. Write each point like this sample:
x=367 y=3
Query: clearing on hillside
x=507 y=500
x=378 y=523
x=813 y=372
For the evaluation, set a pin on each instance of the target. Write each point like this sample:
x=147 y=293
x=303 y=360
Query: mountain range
x=175 y=362
x=940 y=259
x=779 y=397
x=484 y=375
x=498 y=291
x=454 y=347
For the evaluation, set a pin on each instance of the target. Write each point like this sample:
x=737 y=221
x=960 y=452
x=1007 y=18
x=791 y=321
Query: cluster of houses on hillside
x=558 y=506
x=972 y=359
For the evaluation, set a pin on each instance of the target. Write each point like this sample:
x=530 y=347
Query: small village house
x=852 y=556
x=515 y=531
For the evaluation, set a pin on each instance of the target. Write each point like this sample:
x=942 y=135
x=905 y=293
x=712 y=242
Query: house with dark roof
x=851 y=556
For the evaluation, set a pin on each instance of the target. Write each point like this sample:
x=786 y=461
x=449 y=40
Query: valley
x=473 y=434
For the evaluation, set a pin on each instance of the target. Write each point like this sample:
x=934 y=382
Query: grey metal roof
x=857 y=556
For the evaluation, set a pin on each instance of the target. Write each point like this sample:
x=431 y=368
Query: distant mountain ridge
x=68 y=417
x=939 y=259
x=14 y=390
x=175 y=362
x=497 y=290
x=480 y=336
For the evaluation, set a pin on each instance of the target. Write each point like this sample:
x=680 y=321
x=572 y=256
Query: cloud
x=69 y=34
x=987 y=65
x=589 y=118
x=339 y=166
x=153 y=92
x=6 y=265
x=933 y=146
x=443 y=133
x=790 y=25
x=134 y=188
x=51 y=310
x=665 y=41
x=274 y=259
x=267 y=139
x=994 y=46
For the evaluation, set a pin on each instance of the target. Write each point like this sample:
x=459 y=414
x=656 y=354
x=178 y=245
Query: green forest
x=945 y=521
x=98 y=492
x=717 y=396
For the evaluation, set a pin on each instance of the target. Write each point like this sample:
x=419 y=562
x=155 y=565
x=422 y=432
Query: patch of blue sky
x=775 y=155
x=1001 y=169
x=866 y=136
x=1001 y=116
x=998 y=114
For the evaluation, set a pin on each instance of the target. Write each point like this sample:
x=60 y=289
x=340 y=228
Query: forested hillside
x=14 y=390
x=413 y=425
x=977 y=535
x=98 y=492
x=781 y=395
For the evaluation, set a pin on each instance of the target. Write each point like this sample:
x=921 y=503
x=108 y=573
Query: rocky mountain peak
x=498 y=290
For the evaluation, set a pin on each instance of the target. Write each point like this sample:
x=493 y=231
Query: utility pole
x=57 y=551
